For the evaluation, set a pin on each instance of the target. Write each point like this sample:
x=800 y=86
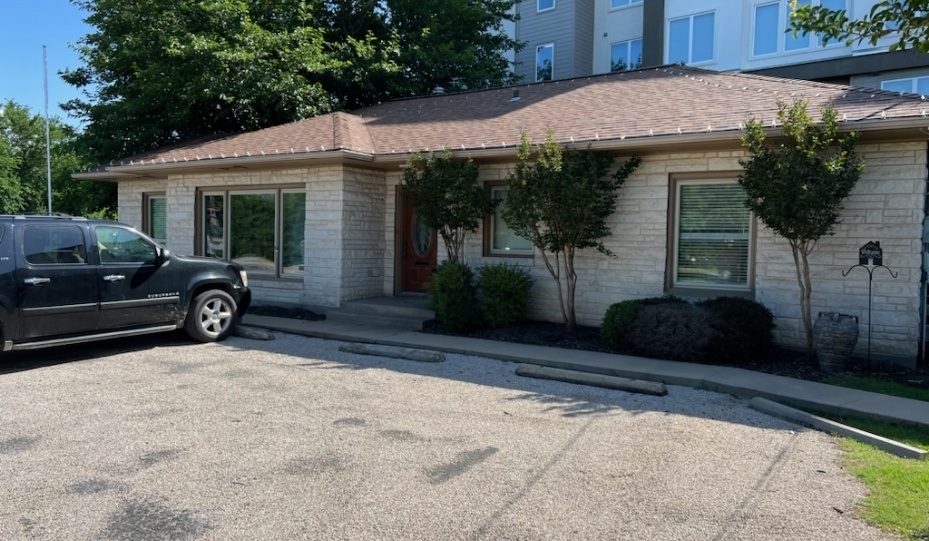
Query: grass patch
x=877 y=385
x=899 y=487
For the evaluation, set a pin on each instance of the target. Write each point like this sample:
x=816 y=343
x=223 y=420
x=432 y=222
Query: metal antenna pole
x=48 y=144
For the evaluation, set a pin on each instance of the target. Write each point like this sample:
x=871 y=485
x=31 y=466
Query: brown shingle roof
x=666 y=101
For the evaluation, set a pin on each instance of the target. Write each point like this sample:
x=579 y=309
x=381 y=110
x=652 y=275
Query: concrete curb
x=832 y=427
x=594 y=380
x=393 y=352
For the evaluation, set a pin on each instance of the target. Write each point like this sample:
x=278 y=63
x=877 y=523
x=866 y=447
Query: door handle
x=37 y=281
x=114 y=278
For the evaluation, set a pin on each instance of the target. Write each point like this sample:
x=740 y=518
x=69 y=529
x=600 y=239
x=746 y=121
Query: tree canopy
x=23 y=167
x=448 y=197
x=907 y=21
x=560 y=199
x=157 y=72
x=796 y=186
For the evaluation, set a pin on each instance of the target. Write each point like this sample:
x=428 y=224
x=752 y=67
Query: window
x=626 y=55
x=772 y=27
x=545 y=5
x=54 y=245
x=261 y=230
x=622 y=3
x=913 y=85
x=712 y=235
x=544 y=62
x=121 y=245
x=155 y=223
x=691 y=39
x=500 y=239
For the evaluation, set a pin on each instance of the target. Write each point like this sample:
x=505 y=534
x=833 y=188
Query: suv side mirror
x=162 y=255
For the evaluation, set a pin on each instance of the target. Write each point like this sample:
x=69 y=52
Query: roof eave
x=156 y=168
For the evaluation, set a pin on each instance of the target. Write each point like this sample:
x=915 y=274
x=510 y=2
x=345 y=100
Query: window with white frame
x=500 y=239
x=262 y=230
x=772 y=23
x=692 y=39
x=913 y=85
x=544 y=62
x=711 y=235
x=545 y=5
x=155 y=222
x=614 y=4
x=626 y=55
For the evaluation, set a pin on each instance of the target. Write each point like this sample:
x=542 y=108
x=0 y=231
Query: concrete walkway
x=793 y=392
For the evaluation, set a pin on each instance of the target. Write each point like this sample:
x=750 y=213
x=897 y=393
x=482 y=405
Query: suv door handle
x=114 y=278
x=37 y=281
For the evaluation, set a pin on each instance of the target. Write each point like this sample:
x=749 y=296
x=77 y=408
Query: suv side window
x=119 y=245
x=53 y=245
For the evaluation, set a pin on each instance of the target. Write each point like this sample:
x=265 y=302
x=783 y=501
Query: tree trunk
x=571 y=284
x=800 y=252
x=555 y=271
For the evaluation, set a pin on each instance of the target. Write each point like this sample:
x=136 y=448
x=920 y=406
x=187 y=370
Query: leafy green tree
x=797 y=184
x=905 y=20
x=447 y=196
x=23 y=167
x=560 y=200
x=157 y=72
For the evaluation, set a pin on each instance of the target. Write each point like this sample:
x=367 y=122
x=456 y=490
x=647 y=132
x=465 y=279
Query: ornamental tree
x=559 y=199
x=446 y=195
x=796 y=185
x=905 y=20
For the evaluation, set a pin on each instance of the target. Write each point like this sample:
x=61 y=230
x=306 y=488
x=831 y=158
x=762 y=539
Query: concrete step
x=404 y=312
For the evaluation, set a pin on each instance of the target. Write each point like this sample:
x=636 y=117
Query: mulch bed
x=779 y=361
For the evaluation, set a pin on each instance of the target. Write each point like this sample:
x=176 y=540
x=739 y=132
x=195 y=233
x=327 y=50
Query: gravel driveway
x=160 y=438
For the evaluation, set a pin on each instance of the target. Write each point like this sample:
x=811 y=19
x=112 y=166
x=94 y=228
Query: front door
x=418 y=245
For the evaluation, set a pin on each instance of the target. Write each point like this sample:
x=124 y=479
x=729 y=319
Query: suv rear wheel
x=211 y=317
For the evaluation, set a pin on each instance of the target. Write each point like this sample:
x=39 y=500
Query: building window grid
x=618 y=4
x=626 y=55
x=770 y=24
x=692 y=38
x=911 y=85
x=545 y=5
x=155 y=222
x=500 y=239
x=280 y=255
x=711 y=252
x=545 y=62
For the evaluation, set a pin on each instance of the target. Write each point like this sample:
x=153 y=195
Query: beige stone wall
x=351 y=238
x=887 y=206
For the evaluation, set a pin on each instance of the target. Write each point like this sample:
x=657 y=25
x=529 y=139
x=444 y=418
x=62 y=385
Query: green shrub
x=746 y=327
x=675 y=331
x=620 y=315
x=453 y=296
x=506 y=289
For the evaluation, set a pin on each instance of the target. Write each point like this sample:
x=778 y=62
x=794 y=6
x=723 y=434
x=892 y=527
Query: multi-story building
x=574 y=38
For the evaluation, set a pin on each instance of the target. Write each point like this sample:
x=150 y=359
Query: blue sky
x=25 y=26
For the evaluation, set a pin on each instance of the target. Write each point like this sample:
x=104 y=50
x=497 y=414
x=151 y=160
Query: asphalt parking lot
x=159 y=438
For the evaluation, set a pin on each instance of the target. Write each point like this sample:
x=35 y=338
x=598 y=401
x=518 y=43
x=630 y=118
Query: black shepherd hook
x=870 y=270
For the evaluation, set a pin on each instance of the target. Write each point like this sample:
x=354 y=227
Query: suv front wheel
x=211 y=317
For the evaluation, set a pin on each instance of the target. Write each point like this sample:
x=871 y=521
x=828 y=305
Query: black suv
x=65 y=280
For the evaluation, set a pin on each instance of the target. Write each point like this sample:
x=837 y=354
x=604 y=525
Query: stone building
x=313 y=208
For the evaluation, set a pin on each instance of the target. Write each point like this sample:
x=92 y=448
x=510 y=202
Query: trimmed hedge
x=506 y=290
x=724 y=330
x=454 y=297
x=620 y=316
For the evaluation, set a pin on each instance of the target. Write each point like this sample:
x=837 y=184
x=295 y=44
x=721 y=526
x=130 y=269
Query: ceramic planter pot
x=834 y=339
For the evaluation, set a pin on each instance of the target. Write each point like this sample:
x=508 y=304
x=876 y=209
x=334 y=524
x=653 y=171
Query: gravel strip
x=293 y=439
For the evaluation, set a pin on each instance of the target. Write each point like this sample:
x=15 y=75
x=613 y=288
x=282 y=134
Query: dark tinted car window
x=119 y=245
x=1 y=232
x=53 y=245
